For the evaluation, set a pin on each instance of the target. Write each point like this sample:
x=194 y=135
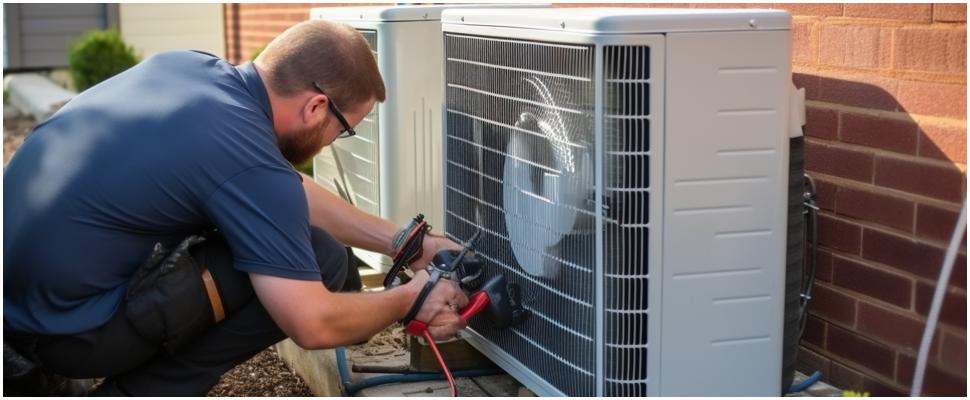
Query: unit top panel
x=396 y=13
x=623 y=20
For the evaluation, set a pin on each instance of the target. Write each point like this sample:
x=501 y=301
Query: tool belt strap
x=214 y=300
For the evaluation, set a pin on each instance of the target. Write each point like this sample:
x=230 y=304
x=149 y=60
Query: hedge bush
x=99 y=55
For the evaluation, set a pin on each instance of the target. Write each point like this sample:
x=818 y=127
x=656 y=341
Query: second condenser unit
x=392 y=167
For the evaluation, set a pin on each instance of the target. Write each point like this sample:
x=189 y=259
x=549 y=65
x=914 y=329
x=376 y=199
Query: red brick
x=858 y=46
x=945 y=143
x=874 y=207
x=832 y=305
x=808 y=361
x=939 y=99
x=906 y=12
x=950 y=12
x=823 y=266
x=873 y=282
x=936 y=223
x=952 y=312
x=880 y=133
x=837 y=161
x=809 y=82
x=934 y=50
x=953 y=351
x=939 y=182
x=902 y=253
x=890 y=327
x=825 y=193
x=804 y=42
x=814 y=331
x=936 y=382
x=814 y=10
x=860 y=91
x=839 y=234
x=877 y=388
x=845 y=378
x=864 y=352
x=821 y=123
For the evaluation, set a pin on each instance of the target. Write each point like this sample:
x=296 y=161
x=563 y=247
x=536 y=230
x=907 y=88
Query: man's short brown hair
x=333 y=55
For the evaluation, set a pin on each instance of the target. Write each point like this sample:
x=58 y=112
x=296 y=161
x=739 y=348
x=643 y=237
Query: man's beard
x=300 y=147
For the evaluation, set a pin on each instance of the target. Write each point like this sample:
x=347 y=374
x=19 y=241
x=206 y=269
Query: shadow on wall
x=890 y=187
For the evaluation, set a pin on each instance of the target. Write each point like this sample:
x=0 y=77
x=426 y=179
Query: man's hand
x=431 y=246
x=440 y=308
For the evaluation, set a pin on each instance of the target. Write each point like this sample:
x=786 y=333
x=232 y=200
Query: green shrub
x=306 y=168
x=99 y=55
x=252 y=57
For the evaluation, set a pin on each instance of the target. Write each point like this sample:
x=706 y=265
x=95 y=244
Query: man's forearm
x=348 y=224
x=316 y=318
x=352 y=318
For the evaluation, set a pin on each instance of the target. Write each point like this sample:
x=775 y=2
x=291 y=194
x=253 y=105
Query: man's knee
x=331 y=257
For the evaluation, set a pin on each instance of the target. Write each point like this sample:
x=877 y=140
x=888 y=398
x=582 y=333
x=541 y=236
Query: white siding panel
x=155 y=28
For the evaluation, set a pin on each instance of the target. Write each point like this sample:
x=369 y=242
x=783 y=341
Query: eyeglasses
x=348 y=130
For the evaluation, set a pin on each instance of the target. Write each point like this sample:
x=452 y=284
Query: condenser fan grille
x=520 y=140
x=525 y=110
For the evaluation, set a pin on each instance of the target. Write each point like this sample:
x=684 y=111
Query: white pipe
x=934 y=315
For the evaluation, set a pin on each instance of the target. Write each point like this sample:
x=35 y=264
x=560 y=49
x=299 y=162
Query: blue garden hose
x=351 y=388
x=798 y=387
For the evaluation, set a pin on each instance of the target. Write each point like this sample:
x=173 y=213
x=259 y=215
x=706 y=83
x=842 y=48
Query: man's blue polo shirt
x=180 y=143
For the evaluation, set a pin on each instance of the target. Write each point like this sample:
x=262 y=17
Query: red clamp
x=476 y=303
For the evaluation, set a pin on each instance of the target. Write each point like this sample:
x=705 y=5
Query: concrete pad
x=466 y=388
x=817 y=389
x=36 y=95
x=318 y=368
x=499 y=385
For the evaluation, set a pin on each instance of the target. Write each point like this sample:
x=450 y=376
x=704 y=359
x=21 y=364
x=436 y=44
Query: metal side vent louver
x=627 y=145
x=350 y=167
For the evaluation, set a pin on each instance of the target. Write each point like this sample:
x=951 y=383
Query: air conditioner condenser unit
x=630 y=171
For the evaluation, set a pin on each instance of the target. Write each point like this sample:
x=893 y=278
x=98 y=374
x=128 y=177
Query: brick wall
x=886 y=142
x=887 y=106
x=250 y=26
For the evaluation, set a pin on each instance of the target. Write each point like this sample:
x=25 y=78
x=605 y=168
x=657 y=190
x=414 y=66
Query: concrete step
x=36 y=95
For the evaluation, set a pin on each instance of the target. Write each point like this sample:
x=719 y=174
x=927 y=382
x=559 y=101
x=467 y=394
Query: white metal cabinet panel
x=725 y=212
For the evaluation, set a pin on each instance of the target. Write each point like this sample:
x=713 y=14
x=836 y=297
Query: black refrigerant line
x=811 y=215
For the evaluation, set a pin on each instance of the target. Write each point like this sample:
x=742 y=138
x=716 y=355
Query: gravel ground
x=15 y=130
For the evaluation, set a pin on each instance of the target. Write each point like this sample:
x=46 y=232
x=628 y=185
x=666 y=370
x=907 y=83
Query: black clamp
x=434 y=276
x=410 y=244
x=447 y=264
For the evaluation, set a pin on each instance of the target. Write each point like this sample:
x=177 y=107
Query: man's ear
x=315 y=108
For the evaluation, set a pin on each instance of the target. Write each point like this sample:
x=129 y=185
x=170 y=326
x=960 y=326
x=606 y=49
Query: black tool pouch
x=166 y=298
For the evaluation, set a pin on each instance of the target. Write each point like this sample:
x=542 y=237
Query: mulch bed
x=263 y=375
